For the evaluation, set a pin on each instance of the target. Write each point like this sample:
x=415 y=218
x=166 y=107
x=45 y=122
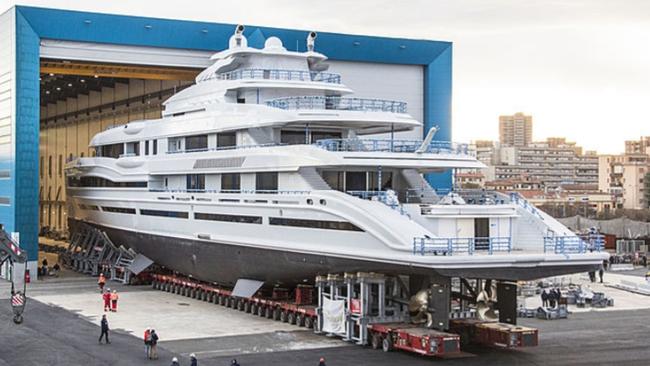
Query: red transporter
x=413 y=338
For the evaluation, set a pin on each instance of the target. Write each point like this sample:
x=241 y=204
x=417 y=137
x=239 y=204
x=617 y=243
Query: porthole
x=309 y=201
x=323 y=202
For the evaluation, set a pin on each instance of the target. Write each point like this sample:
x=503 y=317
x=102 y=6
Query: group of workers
x=550 y=297
x=110 y=297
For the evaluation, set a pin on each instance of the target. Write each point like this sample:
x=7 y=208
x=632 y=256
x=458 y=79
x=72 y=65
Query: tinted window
x=314 y=224
x=230 y=182
x=175 y=214
x=198 y=142
x=293 y=137
x=266 y=181
x=101 y=182
x=228 y=218
x=196 y=181
x=124 y=210
x=111 y=151
x=226 y=139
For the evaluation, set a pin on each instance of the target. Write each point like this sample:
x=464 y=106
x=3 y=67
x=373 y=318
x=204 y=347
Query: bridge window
x=111 y=151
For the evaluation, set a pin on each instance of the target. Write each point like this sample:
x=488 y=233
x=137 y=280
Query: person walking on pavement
x=175 y=362
x=234 y=362
x=107 y=299
x=544 y=298
x=101 y=281
x=147 y=342
x=104 y=326
x=321 y=362
x=193 y=360
x=601 y=271
x=153 y=354
x=114 y=297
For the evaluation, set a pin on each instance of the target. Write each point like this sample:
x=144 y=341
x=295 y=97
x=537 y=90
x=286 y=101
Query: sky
x=581 y=68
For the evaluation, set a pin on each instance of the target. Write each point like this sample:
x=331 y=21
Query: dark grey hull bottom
x=225 y=263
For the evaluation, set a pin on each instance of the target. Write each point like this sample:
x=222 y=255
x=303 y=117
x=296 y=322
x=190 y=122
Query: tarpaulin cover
x=333 y=316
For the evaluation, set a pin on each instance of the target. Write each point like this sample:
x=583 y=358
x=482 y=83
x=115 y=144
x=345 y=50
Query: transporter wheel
x=268 y=312
x=254 y=308
x=223 y=300
x=291 y=318
x=154 y=284
x=277 y=314
x=247 y=307
x=387 y=344
x=284 y=316
x=376 y=341
x=241 y=305
x=232 y=303
x=300 y=320
x=309 y=322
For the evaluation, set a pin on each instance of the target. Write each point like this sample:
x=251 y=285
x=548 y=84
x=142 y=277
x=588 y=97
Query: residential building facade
x=515 y=130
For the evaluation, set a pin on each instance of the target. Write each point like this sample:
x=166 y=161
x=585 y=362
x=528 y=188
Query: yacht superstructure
x=266 y=169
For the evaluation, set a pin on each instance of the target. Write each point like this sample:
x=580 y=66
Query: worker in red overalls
x=114 y=297
x=107 y=299
x=101 y=282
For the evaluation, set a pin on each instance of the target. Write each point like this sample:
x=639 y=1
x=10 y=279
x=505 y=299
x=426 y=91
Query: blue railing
x=454 y=246
x=517 y=198
x=381 y=196
x=338 y=103
x=279 y=74
x=386 y=145
x=574 y=244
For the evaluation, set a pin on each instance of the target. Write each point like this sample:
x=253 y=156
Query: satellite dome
x=273 y=43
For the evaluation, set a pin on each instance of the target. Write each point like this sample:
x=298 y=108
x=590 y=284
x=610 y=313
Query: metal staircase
x=92 y=252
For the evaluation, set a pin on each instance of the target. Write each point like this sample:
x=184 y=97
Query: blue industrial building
x=23 y=31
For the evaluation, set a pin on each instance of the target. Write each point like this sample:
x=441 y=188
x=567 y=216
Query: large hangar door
x=386 y=81
x=86 y=88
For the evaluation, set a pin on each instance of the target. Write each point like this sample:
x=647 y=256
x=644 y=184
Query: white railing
x=338 y=103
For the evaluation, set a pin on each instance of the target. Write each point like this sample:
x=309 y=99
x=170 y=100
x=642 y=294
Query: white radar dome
x=273 y=43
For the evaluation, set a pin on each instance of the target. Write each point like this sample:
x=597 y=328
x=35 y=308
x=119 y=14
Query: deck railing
x=338 y=103
x=223 y=148
x=279 y=74
x=574 y=244
x=231 y=191
x=387 y=145
x=459 y=246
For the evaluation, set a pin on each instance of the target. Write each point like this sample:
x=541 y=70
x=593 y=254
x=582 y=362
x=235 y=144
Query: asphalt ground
x=51 y=335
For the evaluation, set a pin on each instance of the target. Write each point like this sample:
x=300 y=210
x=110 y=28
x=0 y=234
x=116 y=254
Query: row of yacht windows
x=101 y=182
x=242 y=219
x=201 y=142
x=264 y=182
